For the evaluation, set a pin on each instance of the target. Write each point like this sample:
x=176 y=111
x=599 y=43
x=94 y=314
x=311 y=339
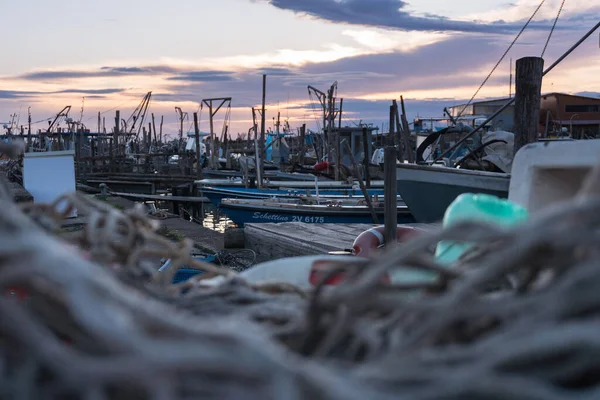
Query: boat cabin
x=355 y=136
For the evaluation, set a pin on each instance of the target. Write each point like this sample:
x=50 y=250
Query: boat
x=281 y=184
x=428 y=190
x=481 y=165
x=216 y=194
x=307 y=210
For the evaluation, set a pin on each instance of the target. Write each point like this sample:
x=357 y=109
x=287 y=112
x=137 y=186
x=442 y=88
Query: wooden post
x=161 y=124
x=528 y=86
x=29 y=130
x=406 y=130
x=365 y=136
x=154 y=130
x=257 y=160
x=390 y=204
x=302 y=150
x=198 y=154
x=111 y=162
x=335 y=140
x=340 y=113
x=144 y=138
x=401 y=144
x=262 y=131
x=117 y=131
x=149 y=143
x=363 y=188
x=390 y=138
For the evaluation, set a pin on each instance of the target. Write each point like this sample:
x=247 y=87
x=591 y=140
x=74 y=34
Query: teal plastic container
x=481 y=208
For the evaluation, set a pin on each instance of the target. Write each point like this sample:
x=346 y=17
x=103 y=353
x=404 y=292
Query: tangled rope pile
x=518 y=318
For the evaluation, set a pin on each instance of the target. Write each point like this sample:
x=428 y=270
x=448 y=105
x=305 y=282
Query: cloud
x=204 y=76
x=16 y=94
x=389 y=14
x=24 y=94
x=51 y=75
x=276 y=71
x=588 y=94
x=89 y=91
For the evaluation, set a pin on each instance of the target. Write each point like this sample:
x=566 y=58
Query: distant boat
x=243 y=211
x=216 y=194
x=281 y=184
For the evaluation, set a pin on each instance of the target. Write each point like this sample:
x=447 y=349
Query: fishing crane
x=62 y=115
x=10 y=126
x=327 y=103
x=133 y=125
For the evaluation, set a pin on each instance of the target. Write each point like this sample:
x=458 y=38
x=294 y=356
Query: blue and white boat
x=279 y=184
x=307 y=210
x=216 y=194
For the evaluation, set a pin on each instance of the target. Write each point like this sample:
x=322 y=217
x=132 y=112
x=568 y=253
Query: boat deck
x=271 y=241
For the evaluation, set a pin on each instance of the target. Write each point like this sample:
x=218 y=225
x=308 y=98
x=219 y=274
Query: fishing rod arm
x=504 y=107
x=587 y=35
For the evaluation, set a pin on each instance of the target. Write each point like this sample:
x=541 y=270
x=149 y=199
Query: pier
x=271 y=241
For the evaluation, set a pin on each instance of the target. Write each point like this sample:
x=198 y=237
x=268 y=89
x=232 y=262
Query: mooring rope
x=501 y=58
x=516 y=318
x=553 y=26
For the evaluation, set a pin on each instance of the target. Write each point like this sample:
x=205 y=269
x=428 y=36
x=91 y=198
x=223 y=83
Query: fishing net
x=91 y=318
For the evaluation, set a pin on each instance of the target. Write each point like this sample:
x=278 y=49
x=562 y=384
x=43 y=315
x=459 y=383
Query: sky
x=106 y=55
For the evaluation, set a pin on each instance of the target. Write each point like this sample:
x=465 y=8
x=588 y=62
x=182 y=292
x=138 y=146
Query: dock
x=156 y=197
x=271 y=241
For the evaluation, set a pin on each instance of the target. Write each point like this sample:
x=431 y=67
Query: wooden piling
x=399 y=133
x=144 y=138
x=338 y=147
x=302 y=149
x=29 y=129
x=161 y=125
x=410 y=156
x=111 y=162
x=390 y=137
x=116 y=132
x=340 y=113
x=390 y=204
x=357 y=175
x=365 y=137
x=154 y=130
x=198 y=154
x=262 y=130
x=528 y=87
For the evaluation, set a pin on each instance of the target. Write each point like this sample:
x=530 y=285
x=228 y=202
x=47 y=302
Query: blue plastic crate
x=186 y=272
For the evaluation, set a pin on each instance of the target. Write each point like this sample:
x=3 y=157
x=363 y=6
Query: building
x=560 y=114
x=478 y=111
x=579 y=115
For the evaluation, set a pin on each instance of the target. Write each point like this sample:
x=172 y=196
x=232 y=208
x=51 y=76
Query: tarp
x=500 y=154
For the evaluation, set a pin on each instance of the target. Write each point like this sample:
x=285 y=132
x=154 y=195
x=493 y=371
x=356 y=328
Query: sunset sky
x=433 y=52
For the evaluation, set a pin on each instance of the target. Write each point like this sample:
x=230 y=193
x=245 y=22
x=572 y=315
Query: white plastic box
x=48 y=175
x=548 y=172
